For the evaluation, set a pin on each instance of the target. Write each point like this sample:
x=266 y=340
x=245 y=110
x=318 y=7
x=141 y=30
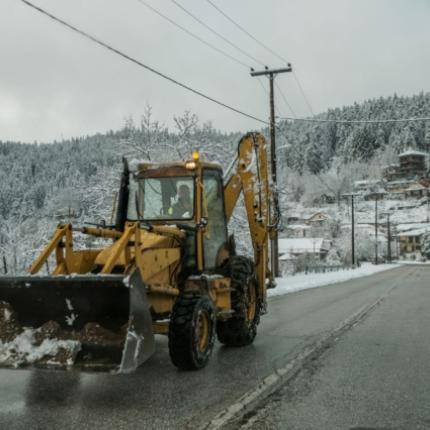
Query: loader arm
x=251 y=177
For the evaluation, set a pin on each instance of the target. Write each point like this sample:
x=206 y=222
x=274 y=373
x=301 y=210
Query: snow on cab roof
x=136 y=164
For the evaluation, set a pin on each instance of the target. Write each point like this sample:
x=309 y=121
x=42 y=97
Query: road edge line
x=282 y=375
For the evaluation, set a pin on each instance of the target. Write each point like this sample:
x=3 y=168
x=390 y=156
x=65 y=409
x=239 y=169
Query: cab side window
x=213 y=208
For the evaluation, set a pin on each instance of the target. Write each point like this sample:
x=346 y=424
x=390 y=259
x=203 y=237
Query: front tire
x=192 y=331
x=241 y=328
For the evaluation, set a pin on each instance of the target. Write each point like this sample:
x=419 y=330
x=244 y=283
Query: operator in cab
x=183 y=208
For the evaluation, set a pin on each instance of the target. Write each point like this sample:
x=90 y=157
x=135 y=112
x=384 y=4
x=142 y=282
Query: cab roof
x=175 y=168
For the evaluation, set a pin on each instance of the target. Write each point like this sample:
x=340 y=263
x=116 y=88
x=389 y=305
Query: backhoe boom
x=252 y=179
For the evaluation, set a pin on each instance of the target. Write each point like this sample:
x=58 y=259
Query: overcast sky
x=54 y=83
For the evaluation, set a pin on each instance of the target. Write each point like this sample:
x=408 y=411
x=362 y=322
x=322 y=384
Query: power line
x=144 y=3
x=211 y=45
x=244 y=52
x=267 y=48
x=313 y=165
x=356 y=121
x=246 y=32
x=285 y=100
x=216 y=32
x=139 y=63
x=195 y=36
x=303 y=93
x=278 y=112
x=262 y=86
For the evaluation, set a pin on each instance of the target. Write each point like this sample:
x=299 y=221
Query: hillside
x=43 y=184
x=315 y=146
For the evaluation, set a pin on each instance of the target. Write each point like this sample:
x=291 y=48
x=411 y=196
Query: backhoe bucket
x=91 y=322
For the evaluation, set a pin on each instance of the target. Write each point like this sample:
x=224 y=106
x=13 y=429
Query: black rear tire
x=241 y=328
x=192 y=331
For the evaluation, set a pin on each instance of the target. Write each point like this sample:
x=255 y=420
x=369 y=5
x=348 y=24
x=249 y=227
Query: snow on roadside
x=290 y=284
x=413 y=262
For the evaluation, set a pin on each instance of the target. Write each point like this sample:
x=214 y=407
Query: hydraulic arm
x=252 y=179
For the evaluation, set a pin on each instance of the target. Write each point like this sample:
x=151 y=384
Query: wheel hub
x=203 y=330
x=252 y=302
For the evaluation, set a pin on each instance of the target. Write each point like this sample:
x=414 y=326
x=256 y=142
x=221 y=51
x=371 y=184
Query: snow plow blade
x=90 y=322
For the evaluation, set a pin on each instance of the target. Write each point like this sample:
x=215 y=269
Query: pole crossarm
x=268 y=71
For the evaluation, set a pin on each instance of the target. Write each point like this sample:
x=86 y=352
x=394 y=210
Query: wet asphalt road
x=158 y=396
x=376 y=376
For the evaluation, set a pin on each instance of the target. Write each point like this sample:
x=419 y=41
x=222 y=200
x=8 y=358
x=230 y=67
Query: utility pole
x=388 y=238
x=352 y=228
x=271 y=73
x=376 y=229
x=352 y=232
x=428 y=207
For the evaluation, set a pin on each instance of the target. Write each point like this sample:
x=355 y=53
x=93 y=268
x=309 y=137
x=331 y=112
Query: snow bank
x=290 y=284
x=413 y=262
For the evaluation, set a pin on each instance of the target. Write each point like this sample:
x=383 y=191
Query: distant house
x=324 y=199
x=293 y=218
x=366 y=185
x=407 y=188
x=68 y=213
x=297 y=230
x=317 y=219
x=292 y=248
x=410 y=242
x=413 y=163
x=400 y=185
x=416 y=190
x=308 y=218
x=425 y=182
x=375 y=194
x=391 y=172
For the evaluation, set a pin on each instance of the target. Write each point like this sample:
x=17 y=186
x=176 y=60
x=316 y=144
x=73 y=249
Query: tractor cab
x=189 y=195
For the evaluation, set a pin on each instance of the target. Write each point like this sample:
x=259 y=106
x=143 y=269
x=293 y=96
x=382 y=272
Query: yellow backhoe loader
x=168 y=267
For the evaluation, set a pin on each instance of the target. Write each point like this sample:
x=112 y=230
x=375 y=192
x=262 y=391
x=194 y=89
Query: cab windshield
x=163 y=198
